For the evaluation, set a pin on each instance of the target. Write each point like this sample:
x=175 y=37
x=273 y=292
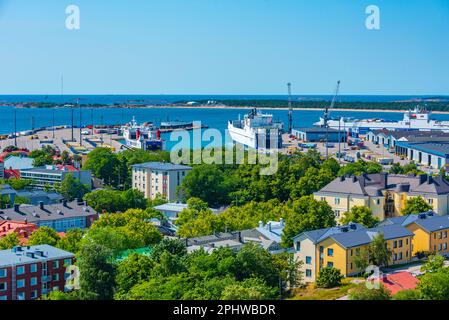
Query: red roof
x=24 y=229
x=12 y=174
x=399 y=281
x=5 y=154
x=67 y=167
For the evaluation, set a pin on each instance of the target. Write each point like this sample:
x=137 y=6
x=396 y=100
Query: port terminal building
x=434 y=154
x=318 y=134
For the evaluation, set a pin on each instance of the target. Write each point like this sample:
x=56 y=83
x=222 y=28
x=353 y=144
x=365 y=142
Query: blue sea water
x=213 y=117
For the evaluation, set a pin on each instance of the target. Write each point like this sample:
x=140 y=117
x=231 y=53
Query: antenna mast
x=326 y=117
x=290 y=110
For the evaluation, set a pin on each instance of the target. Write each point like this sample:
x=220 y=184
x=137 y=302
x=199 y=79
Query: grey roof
x=433 y=223
x=319 y=235
x=16 y=257
x=411 y=135
x=433 y=146
x=373 y=184
x=51 y=212
x=349 y=238
x=161 y=166
x=317 y=130
x=361 y=237
x=178 y=207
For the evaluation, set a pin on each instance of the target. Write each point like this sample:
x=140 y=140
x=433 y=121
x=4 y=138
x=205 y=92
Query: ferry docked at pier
x=144 y=136
x=257 y=130
x=417 y=119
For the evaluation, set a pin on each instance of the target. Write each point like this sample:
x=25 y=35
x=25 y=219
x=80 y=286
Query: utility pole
x=326 y=117
x=290 y=110
x=15 y=128
x=81 y=121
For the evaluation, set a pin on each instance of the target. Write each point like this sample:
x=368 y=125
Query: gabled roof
x=321 y=234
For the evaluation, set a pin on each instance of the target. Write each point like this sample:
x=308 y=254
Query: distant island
x=440 y=104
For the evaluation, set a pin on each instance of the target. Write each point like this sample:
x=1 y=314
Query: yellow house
x=337 y=247
x=430 y=231
x=385 y=194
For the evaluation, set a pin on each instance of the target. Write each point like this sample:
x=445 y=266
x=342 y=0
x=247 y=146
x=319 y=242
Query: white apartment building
x=158 y=178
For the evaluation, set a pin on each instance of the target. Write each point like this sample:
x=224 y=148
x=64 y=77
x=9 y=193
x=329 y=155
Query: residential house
x=337 y=247
x=385 y=194
x=27 y=273
x=159 y=179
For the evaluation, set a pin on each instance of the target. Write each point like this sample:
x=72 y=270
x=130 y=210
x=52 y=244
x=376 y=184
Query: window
x=20 y=283
x=21 y=296
x=444 y=246
x=445 y=234
x=337 y=213
x=337 y=200
x=440 y=235
x=406 y=241
x=308 y=260
x=350 y=266
x=430 y=201
x=395 y=244
x=321 y=249
x=395 y=257
x=330 y=252
x=323 y=199
x=33 y=268
x=434 y=235
x=400 y=255
x=378 y=201
x=20 y=270
x=55 y=277
x=351 y=252
x=440 y=246
x=3 y=273
x=33 y=294
x=298 y=246
x=3 y=286
x=330 y=264
x=33 y=281
x=400 y=243
x=55 y=264
x=308 y=273
x=406 y=253
x=3 y=298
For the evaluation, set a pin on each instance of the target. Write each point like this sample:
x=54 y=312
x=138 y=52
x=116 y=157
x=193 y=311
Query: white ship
x=145 y=136
x=257 y=131
x=416 y=119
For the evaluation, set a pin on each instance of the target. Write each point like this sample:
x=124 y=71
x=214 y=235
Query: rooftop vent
x=344 y=229
x=422 y=216
x=352 y=226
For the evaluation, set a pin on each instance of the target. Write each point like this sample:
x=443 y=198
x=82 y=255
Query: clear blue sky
x=224 y=47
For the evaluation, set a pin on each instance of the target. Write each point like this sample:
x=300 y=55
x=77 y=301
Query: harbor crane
x=290 y=110
x=326 y=117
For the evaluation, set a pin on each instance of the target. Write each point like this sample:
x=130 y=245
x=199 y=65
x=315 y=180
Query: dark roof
x=161 y=166
x=434 y=146
x=373 y=184
x=51 y=212
x=412 y=135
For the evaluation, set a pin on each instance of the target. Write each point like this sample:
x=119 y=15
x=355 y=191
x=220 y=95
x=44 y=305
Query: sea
x=216 y=118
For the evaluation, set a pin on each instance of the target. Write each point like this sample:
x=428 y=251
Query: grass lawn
x=311 y=293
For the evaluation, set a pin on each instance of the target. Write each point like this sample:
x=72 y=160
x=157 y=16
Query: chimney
x=41 y=205
x=16 y=207
x=429 y=179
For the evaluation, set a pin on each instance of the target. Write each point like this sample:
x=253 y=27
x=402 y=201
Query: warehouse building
x=318 y=134
x=434 y=154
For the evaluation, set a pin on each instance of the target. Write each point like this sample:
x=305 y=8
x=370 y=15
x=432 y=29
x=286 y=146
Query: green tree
x=206 y=182
x=410 y=294
x=9 y=241
x=361 y=259
x=44 y=235
x=360 y=214
x=379 y=253
x=306 y=214
x=71 y=242
x=135 y=269
x=435 y=285
x=72 y=188
x=434 y=263
x=361 y=292
x=359 y=167
x=415 y=205
x=102 y=162
x=329 y=277
x=97 y=272
x=249 y=289
x=173 y=246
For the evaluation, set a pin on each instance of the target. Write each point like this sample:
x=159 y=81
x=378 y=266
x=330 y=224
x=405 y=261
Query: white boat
x=416 y=119
x=145 y=136
x=257 y=130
